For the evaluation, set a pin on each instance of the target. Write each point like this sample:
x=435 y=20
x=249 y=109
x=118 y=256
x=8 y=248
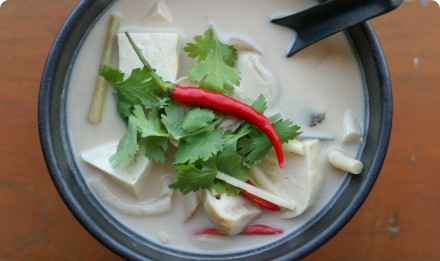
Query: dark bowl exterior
x=126 y=243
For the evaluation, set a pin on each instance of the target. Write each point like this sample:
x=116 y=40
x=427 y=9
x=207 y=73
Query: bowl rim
x=75 y=206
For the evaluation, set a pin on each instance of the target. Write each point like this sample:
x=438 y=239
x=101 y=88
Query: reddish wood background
x=399 y=221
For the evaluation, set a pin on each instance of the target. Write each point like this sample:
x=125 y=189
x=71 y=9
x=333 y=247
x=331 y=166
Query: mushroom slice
x=299 y=181
x=256 y=78
x=242 y=46
x=148 y=207
x=229 y=214
x=191 y=203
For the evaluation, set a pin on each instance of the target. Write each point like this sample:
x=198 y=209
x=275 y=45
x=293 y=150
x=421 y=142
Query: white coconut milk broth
x=323 y=78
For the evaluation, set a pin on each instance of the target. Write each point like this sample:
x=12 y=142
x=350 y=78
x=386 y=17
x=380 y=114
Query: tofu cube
x=160 y=50
x=158 y=12
x=229 y=214
x=131 y=176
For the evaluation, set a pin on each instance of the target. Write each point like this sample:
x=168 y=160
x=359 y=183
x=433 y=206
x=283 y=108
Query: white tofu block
x=158 y=12
x=351 y=132
x=270 y=164
x=131 y=176
x=300 y=181
x=160 y=50
x=229 y=214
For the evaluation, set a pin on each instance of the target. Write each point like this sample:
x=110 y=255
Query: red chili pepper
x=260 y=201
x=196 y=96
x=256 y=229
x=261 y=229
x=208 y=231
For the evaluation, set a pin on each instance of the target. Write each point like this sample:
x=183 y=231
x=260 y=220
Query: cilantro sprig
x=155 y=122
x=214 y=68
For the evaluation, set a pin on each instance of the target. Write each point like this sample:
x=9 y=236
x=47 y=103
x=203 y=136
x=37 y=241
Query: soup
x=323 y=80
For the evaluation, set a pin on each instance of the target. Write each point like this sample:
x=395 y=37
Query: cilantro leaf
x=112 y=74
x=204 y=45
x=147 y=127
x=127 y=147
x=260 y=104
x=255 y=146
x=230 y=161
x=138 y=88
x=173 y=120
x=200 y=147
x=286 y=129
x=222 y=187
x=214 y=69
x=215 y=75
x=191 y=178
x=124 y=108
x=156 y=148
x=197 y=118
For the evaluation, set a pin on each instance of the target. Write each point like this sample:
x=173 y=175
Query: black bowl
x=89 y=212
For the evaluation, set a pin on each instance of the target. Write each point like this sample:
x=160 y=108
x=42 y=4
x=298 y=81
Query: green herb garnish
x=203 y=148
x=214 y=69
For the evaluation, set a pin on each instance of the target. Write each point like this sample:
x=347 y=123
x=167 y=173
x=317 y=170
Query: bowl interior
x=75 y=193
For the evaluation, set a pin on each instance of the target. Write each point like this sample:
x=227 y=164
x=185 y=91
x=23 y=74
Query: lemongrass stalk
x=101 y=86
x=277 y=200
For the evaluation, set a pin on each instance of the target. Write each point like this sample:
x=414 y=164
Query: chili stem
x=98 y=100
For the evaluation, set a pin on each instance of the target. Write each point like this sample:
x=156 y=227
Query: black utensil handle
x=331 y=12
x=331 y=17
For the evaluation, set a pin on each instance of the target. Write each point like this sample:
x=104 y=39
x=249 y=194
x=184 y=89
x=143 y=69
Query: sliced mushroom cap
x=191 y=203
x=229 y=214
x=242 y=46
x=256 y=78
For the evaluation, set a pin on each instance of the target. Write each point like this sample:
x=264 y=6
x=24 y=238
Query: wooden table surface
x=399 y=221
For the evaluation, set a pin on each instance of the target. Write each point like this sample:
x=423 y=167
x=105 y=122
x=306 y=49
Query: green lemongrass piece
x=165 y=86
x=98 y=100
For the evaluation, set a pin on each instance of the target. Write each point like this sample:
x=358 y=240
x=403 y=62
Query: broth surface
x=322 y=78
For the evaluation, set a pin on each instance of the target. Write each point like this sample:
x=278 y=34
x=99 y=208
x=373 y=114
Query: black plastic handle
x=330 y=17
